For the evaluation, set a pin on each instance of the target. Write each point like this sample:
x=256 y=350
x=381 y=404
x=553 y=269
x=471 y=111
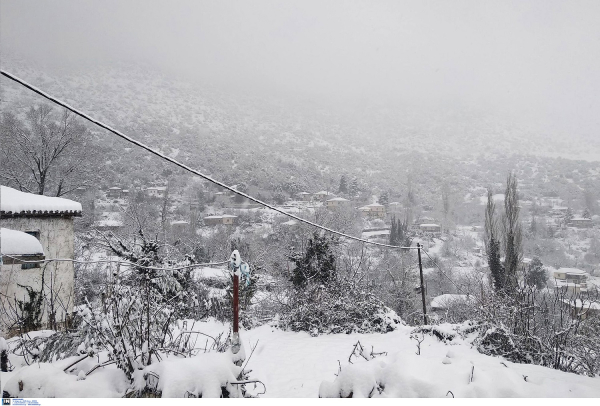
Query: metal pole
x=236 y=261
x=236 y=302
x=422 y=285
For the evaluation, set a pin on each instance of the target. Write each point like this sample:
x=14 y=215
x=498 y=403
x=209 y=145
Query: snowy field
x=297 y=365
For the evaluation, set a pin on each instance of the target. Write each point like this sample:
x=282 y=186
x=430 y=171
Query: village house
x=17 y=270
x=374 y=210
x=572 y=279
x=581 y=222
x=179 y=226
x=225 y=219
x=114 y=192
x=222 y=198
x=304 y=196
x=446 y=301
x=109 y=221
x=322 y=196
x=156 y=191
x=50 y=221
x=582 y=309
x=430 y=228
x=337 y=203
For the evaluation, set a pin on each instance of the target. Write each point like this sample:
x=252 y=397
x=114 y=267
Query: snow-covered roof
x=338 y=199
x=429 y=225
x=571 y=271
x=114 y=188
x=324 y=193
x=580 y=219
x=179 y=222
x=289 y=223
x=447 y=299
x=374 y=205
x=16 y=203
x=220 y=217
x=13 y=242
x=303 y=193
x=584 y=305
x=157 y=188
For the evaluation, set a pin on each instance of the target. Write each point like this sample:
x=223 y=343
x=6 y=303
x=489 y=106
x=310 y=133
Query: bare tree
x=43 y=154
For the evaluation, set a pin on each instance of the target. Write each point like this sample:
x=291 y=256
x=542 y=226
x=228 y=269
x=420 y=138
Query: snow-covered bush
x=321 y=301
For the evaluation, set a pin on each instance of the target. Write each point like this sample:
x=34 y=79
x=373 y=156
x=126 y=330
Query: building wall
x=57 y=238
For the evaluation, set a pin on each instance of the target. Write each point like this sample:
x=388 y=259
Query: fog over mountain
x=531 y=65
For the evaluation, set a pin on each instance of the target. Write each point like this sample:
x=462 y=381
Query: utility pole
x=419 y=247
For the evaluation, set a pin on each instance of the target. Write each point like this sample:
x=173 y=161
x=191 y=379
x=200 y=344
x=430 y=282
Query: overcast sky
x=542 y=56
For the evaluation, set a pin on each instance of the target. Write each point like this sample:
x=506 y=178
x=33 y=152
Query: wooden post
x=422 y=285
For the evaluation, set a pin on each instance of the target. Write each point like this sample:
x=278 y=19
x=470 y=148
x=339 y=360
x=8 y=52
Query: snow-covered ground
x=298 y=365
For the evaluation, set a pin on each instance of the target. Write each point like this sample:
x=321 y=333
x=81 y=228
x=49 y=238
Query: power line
x=41 y=261
x=185 y=167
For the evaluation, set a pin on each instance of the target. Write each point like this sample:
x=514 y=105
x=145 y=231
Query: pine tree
x=384 y=198
x=315 y=264
x=343 y=185
x=513 y=248
x=536 y=274
x=353 y=188
x=492 y=244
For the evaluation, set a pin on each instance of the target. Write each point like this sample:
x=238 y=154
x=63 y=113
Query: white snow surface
x=15 y=201
x=13 y=242
x=294 y=364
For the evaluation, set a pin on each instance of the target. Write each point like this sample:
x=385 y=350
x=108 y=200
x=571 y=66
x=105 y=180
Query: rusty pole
x=235 y=262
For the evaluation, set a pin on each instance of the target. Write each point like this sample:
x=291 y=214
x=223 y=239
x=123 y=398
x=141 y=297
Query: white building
x=337 y=202
x=156 y=191
x=374 y=210
x=50 y=221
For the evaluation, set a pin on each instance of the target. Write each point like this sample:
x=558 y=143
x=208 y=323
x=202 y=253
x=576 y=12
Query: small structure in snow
x=114 y=192
x=337 y=202
x=445 y=301
x=573 y=280
x=581 y=222
x=374 y=210
x=225 y=219
x=49 y=220
x=430 y=228
x=156 y=191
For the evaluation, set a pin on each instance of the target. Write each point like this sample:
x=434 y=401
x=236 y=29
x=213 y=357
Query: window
x=30 y=265
x=36 y=234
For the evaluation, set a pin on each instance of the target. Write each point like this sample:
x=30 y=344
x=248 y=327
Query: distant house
x=222 y=197
x=573 y=280
x=424 y=220
x=109 y=221
x=323 y=196
x=581 y=222
x=156 y=191
x=225 y=219
x=114 y=192
x=445 y=301
x=304 y=196
x=50 y=221
x=374 y=210
x=430 y=228
x=337 y=203
x=582 y=309
x=179 y=226
x=394 y=208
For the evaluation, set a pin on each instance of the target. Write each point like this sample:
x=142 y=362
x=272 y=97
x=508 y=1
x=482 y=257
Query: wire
x=119 y=262
x=185 y=167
